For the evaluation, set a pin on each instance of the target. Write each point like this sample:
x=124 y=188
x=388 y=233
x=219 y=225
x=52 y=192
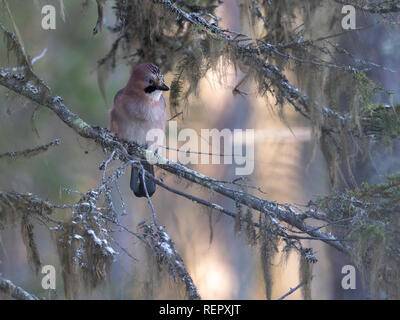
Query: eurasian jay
x=138 y=108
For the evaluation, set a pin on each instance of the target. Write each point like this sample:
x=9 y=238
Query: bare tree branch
x=9 y=288
x=292 y=290
x=380 y=7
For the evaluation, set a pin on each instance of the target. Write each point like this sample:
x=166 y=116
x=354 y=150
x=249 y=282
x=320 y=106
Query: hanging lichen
x=369 y=218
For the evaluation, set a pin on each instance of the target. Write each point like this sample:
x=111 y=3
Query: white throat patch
x=155 y=95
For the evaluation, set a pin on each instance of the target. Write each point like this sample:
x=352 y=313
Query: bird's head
x=147 y=80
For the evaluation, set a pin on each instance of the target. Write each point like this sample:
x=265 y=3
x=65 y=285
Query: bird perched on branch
x=138 y=108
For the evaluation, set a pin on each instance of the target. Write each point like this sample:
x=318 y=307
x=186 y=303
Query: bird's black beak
x=163 y=87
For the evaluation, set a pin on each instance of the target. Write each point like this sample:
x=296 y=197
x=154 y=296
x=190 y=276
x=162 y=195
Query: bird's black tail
x=137 y=184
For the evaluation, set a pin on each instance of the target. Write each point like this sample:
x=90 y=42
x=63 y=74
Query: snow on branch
x=10 y=289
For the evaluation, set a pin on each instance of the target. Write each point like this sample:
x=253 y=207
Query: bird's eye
x=151 y=81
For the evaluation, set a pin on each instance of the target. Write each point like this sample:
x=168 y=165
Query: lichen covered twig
x=10 y=289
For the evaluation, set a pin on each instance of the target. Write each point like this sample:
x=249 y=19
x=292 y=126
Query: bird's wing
x=114 y=121
x=118 y=94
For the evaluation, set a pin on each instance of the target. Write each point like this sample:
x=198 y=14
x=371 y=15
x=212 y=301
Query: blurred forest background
x=288 y=169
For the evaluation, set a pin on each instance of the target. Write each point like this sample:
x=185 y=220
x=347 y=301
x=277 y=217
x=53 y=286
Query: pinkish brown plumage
x=138 y=108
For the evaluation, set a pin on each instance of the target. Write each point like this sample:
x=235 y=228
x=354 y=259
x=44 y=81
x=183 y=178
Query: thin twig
x=27 y=153
x=293 y=290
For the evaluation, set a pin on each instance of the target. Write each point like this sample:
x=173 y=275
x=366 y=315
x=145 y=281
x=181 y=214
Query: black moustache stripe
x=150 y=89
